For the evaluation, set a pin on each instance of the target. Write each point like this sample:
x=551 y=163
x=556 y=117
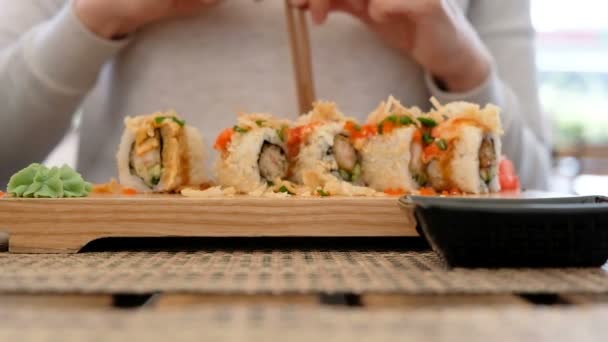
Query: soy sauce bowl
x=514 y=232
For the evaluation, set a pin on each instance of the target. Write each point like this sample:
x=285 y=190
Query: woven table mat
x=278 y=272
x=258 y=323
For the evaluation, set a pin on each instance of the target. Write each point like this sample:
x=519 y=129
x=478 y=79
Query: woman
x=210 y=59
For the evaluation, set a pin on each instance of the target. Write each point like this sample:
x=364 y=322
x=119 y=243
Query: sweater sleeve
x=506 y=29
x=49 y=61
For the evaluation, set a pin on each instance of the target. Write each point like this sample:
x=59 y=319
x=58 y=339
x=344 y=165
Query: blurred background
x=572 y=58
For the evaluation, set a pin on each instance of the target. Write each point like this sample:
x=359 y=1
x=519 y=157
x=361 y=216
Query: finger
x=299 y=3
x=185 y=6
x=380 y=10
x=180 y=6
x=209 y=2
x=354 y=7
x=357 y=6
x=319 y=10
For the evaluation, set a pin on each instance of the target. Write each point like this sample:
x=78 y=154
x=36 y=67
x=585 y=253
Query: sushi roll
x=323 y=154
x=391 y=149
x=253 y=153
x=462 y=147
x=160 y=153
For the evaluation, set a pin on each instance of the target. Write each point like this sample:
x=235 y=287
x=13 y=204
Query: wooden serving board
x=67 y=225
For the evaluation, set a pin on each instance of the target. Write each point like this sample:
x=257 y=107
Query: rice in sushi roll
x=160 y=153
x=253 y=153
x=322 y=152
x=462 y=147
x=391 y=149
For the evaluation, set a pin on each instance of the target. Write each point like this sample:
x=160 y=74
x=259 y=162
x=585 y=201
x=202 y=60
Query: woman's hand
x=432 y=32
x=115 y=18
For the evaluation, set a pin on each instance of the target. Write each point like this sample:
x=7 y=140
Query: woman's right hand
x=116 y=18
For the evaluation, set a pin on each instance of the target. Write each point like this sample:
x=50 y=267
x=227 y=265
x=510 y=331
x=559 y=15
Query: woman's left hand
x=433 y=32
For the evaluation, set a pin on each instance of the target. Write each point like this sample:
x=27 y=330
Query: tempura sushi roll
x=253 y=153
x=160 y=153
x=462 y=147
x=322 y=152
x=391 y=149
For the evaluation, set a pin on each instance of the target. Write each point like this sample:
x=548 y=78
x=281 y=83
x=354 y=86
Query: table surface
x=296 y=323
x=271 y=293
x=280 y=271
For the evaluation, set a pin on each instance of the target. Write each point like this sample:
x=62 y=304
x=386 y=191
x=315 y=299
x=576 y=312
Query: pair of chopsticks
x=301 y=55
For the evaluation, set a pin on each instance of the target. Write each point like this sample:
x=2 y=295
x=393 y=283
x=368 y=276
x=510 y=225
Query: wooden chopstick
x=301 y=55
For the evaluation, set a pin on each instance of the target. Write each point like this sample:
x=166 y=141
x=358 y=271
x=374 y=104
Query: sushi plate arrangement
x=323 y=175
x=67 y=225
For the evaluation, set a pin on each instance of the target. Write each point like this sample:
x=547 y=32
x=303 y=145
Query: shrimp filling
x=146 y=159
x=347 y=159
x=272 y=162
x=416 y=165
x=487 y=160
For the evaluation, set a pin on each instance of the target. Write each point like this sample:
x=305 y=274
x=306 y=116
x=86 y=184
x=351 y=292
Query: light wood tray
x=67 y=225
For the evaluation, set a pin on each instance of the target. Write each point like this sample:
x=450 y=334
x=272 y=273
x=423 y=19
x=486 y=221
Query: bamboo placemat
x=258 y=323
x=276 y=271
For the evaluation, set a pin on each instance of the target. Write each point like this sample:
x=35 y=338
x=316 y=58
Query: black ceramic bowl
x=493 y=232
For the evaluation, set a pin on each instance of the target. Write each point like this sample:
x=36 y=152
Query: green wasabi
x=39 y=181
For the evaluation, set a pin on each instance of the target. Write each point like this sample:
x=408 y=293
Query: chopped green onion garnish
x=178 y=121
x=420 y=179
x=393 y=118
x=427 y=122
x=487 y=175
x=427 y=138
x=160 y=119
x=442 y=144
x=260 y=122
x=155 y=180
x=489 y=179
x=240 y=129
x=270 y=183
x=356 y=172
x=285 y=190
x=406 y=120
x=345 y=175
x=357 y=127
x=282 y=133
x=323 y=193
